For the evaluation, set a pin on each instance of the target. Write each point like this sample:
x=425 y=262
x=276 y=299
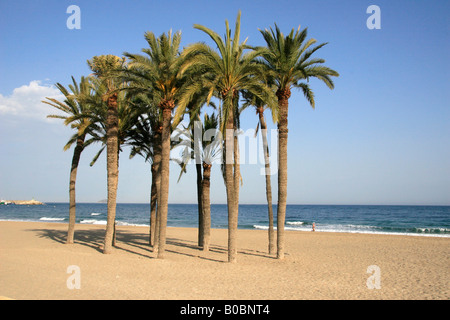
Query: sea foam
x=51 y=219
x=93 y=221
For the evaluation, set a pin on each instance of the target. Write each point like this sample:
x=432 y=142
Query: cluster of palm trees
x=139 y=100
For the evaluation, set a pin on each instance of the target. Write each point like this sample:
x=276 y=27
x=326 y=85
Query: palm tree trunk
x=206 y=183
x=271 y=231
x=201 y=230
x=198 y=167
x=115 y=222
x=283 y=103
x=229 y=184
x=236 y=183
x=167 y=107
x=73 y=177
x=157 y=165
x=153 y=202
x=112 y=148
x=237 y=170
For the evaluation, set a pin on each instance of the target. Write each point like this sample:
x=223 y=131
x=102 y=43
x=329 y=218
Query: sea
x=430 y=221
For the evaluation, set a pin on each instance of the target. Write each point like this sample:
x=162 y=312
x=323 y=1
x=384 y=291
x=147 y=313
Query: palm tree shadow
x=193 y=246
x=137 y=243
x=89 y=238
x=215 y=249
x=95 y=239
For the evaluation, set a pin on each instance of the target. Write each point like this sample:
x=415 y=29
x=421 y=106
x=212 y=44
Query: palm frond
x=94 y=160
x=288 y=61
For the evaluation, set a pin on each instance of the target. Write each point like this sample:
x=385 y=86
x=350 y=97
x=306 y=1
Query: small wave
x=432 y=230
x=96 y=213
x=294 y=228
x=123 y=223
x=295 y=223
x=51 y=219
x=18 y=220
x=93 y=221
x=350 y=228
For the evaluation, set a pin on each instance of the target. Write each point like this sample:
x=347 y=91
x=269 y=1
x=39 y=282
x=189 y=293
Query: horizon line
x=274 y=204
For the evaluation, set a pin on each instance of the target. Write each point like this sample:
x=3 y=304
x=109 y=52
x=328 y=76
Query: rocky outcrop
x=24 y=202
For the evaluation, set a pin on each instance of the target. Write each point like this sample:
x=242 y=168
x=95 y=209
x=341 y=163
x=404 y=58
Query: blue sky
x=382 y=136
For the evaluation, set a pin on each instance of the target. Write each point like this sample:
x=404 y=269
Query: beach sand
x=34 y=261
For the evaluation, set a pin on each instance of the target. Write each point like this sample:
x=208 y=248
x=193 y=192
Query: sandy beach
x=34 y=262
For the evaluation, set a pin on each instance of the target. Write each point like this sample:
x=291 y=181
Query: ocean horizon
x=414 y=220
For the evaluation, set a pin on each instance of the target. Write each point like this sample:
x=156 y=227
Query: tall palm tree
x=289 y=63
x=104 y=67
x=159 y=74
x=228 y=71
x=73 y=108
x=260 y=105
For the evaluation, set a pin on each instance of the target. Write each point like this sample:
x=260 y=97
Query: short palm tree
x=212 y=150
x=288 y=62
x=205 y=153
x=104 y=68
x=227 y=72
x=193 y=141
x=127 y=114
x=145 y=140
x=73 y=108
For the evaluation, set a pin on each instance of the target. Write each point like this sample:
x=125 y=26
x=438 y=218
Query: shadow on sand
x=137 y=244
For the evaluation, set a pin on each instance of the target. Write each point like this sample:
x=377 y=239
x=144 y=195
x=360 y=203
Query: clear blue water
x=411 y=220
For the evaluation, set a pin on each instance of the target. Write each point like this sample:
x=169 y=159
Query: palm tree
x=260 y=105
x=193 y=140
x=128 y=111
x=103 y=68
x=227 y=71
x=159 y=74
x=212 y=149
x=289 y=63
x=205 y=152
x=73 y=108
x=145 y=140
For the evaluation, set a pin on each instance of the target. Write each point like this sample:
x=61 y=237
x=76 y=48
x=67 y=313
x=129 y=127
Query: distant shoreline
x=21 y=202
